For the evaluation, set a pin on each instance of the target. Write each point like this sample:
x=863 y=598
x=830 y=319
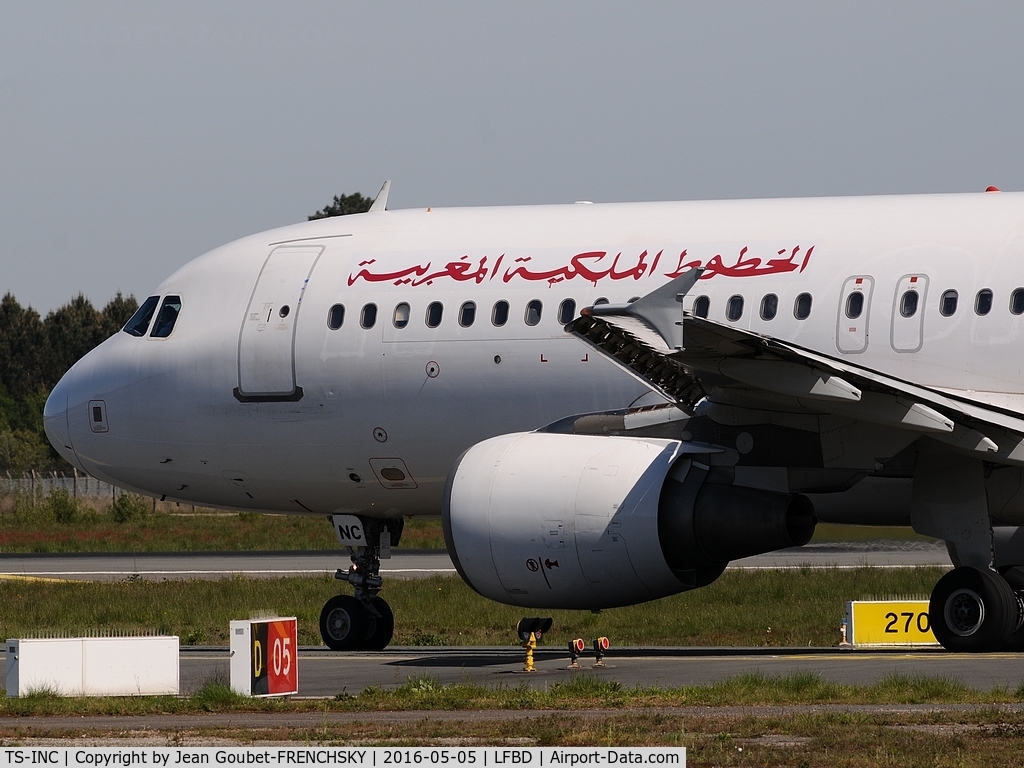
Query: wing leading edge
x=730 y=365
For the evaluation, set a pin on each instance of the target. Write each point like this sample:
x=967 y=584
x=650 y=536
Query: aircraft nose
x=55 y=420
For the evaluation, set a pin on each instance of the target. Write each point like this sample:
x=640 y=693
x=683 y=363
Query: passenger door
x=266 y=342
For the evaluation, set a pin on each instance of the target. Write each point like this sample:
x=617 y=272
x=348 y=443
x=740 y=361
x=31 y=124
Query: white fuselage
x=211 y=414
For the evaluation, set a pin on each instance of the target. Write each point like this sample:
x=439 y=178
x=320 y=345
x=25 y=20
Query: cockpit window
x=167 y=318
x=139 y=323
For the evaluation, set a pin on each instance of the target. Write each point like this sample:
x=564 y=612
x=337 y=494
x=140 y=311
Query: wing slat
x=719 y=360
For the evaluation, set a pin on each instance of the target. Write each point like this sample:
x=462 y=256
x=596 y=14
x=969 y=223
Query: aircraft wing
x=689 y=358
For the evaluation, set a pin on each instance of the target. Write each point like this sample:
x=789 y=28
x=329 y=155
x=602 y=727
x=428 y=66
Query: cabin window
x=947 y=303
x=566 y=311
x=368 y=317
x=168 y=316
x=908 y=303
x=983 y=302
x=734 y=309
x=802 y=306
x=499 y=315
x=533 y=310
x=434 y=311
x=854 y=305
x=701 y=306
x=769 y=306
x=401 y=317
x=467 y=314
x=1017 y=301
x=139 y=322
x=336 y=317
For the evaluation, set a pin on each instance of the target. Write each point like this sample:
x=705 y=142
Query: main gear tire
x=972 y=610
x=1014 y=576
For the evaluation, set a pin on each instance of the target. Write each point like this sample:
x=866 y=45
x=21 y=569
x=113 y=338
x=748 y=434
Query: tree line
x=36 y=351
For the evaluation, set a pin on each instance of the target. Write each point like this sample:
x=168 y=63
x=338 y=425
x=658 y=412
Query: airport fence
x=39 y=485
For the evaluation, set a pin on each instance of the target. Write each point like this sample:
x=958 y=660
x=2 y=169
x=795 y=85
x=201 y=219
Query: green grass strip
x=583 y=691
x=743 y=608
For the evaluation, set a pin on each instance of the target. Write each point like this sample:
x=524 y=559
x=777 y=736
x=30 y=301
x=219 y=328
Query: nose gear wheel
x=363 y=621
x=343 y=623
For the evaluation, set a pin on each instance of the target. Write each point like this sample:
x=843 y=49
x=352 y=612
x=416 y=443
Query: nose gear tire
x=343 y=623
x=379 y=629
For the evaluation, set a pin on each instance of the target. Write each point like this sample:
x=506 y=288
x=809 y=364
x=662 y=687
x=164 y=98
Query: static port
x=354 y=477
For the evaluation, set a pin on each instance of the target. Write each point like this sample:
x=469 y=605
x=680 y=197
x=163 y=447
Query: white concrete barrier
x=93 y=666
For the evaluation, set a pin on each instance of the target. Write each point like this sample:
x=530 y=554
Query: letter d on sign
x=260 y=683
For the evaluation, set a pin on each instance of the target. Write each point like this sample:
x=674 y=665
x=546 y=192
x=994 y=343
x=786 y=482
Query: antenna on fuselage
x=380 y=202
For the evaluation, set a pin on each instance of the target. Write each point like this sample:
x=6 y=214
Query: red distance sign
x=274 y=657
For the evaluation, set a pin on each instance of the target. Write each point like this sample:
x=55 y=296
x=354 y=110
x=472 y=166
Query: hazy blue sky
x=136 y=136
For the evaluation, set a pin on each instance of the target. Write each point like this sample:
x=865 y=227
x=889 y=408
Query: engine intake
x=549 y=520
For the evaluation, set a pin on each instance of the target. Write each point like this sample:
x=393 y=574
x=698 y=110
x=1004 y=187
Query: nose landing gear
x=363 y=621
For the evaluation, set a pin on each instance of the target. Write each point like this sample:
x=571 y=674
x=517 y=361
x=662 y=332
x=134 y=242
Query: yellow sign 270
x=888 y=622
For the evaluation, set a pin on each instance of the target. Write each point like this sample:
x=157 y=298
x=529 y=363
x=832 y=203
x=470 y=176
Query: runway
x=328 y=673
x=411 y=564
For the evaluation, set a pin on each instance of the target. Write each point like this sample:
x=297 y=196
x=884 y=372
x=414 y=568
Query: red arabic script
x=589 y=266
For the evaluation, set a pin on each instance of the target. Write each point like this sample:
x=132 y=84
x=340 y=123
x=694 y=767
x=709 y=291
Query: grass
x=586 y=711
x=60 y=524
x=751 y=739
x=582 y=692
x=743 y=608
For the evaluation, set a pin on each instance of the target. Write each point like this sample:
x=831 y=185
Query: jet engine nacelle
x=548 y=520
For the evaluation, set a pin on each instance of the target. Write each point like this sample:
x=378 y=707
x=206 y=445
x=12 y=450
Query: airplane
x=606 y=403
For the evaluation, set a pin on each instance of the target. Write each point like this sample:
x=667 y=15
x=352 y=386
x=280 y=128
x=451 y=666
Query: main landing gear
x=978 y=609
x=363 y=621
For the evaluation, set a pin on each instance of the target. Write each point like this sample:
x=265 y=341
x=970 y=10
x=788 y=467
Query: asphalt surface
x=324 y=673
x=328 y=673
x=411 y=563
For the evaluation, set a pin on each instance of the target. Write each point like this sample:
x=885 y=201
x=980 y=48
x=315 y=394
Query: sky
x=137 y=136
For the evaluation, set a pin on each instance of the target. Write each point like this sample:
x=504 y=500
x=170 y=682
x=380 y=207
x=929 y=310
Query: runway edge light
x=575 y=649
